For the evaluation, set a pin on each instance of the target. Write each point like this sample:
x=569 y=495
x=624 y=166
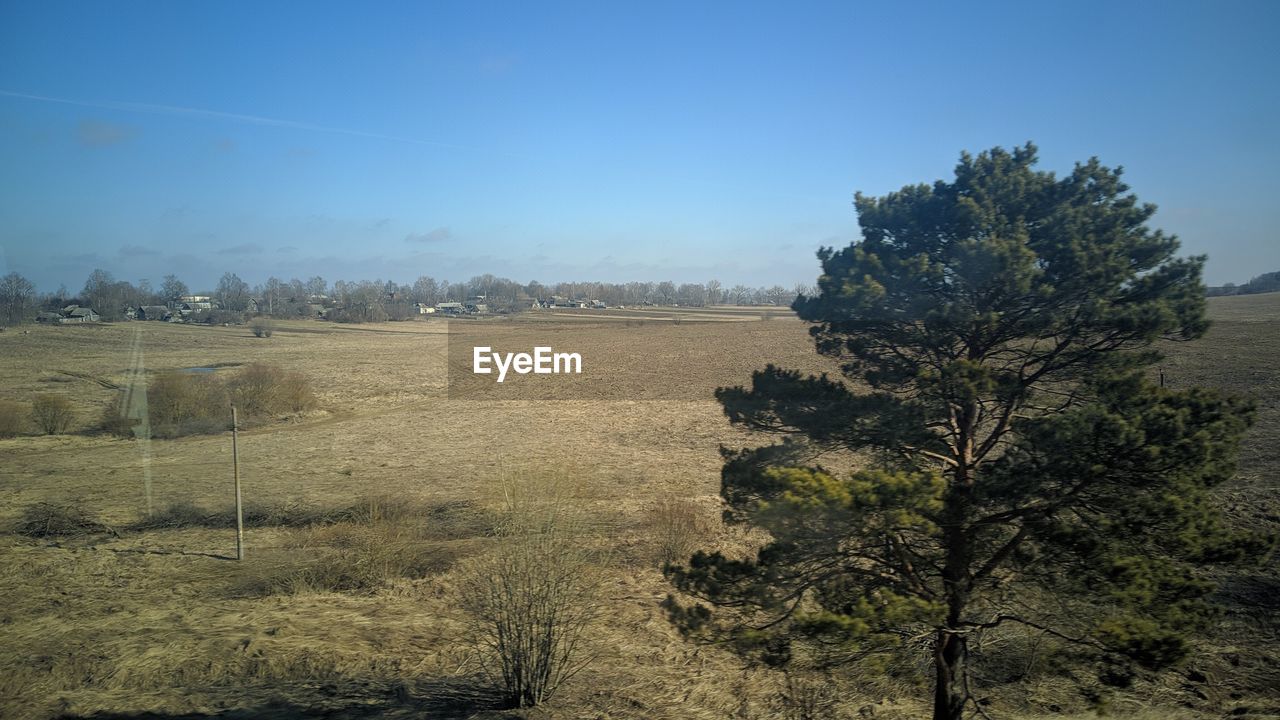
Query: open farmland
x=131 y=617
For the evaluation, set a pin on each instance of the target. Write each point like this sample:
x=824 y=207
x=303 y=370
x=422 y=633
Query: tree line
x=1266 y=282
x=366 y=300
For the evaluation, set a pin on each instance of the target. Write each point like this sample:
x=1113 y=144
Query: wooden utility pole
x=235 y=469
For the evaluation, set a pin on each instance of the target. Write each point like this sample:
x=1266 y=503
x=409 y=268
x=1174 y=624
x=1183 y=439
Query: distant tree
x=425 y=290
x=665 y=293
x=17 y=298
x=316 y=286
x=714 y=294
x=146 y=293
x=232 y=293
x=778 y=295
x=107 y=296
x=98 y=290
x=1008 y=448
x=739 y=295
x=691 y=294
x=172 y=289
x=273 y=294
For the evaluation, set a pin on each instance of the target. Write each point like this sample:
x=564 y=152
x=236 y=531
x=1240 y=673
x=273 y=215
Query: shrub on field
x=218 y=317
x=52 y=413
x=54 y=520
x=13 y=418
x=533 y=599
x=678 y=528
x=367 y=313
x=261 y=390
x=181 y=403
x=114 y=421
x=262 y=327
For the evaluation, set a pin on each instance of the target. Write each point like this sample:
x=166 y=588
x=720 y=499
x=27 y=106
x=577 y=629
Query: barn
x=72 y=314
x=153 y=312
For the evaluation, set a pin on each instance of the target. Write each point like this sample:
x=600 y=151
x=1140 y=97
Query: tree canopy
x=994 y=441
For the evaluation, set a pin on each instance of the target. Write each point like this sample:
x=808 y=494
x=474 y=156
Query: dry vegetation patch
x=50 y=520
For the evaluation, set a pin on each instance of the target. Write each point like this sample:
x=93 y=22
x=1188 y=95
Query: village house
x=69 y=315
x=186 y=307
x=153 y=312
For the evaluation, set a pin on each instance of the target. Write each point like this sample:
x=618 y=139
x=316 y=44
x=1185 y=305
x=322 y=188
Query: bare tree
x=172 y=289
x=714 y=294
x=233 y=293
x=17 y=298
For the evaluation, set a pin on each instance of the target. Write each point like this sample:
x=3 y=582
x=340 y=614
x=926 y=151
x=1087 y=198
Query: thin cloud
x=95 y=133
x=137 y=250
x=440 y=234
x=173 y=110
x=245 y=249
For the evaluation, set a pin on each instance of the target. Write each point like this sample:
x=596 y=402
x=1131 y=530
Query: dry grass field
x=392 y=480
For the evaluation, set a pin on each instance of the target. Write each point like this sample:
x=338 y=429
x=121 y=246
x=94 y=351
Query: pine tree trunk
x=949 y=659
x=951 y=652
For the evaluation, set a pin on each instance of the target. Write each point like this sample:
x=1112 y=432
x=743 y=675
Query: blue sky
x=610 y=141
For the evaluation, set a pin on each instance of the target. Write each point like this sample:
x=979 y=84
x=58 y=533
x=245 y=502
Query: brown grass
x=13 y=418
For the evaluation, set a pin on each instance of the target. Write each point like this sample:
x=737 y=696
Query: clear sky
x=597 y=141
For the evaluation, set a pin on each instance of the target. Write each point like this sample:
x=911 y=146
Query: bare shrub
x=217 y=317
x=533 y=598
x=58 y=520
x=261 y=390
x=52 y=413
x=13 y=418
x=114 y=421
x=678 y=528
x=181 y=403
x=808 y=698
x=262 y=327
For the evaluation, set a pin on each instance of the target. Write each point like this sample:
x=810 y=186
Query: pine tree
x=995 y=439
